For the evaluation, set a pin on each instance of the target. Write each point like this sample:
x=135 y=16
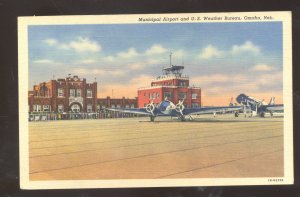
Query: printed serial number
x=275 y=180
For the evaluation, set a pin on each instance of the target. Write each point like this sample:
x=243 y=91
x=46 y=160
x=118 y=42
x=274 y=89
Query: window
x=194 y=96
x=157 y=95
x=46 y=108
x=132 y=106
x=98 y=107
x=182 y=95
x=37 y=108
x=89 y=93
x=153 y=95
x=181 y=83
x=113 y=106
x=60 y=108
x=78 y=93
x=195 y=105
x=118 y=106
x=127 y=106
x=72 y=92
x=89 y=108
x=60 y=92
x=168 y=95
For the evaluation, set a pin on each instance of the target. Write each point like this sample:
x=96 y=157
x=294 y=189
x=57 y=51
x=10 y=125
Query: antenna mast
x=170 y=59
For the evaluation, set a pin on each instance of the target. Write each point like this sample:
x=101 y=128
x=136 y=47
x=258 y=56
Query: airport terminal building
x=171 y=85
x=72 y=94
x=76 y=95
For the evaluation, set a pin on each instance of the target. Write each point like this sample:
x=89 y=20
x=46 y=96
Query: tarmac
x=135 y=148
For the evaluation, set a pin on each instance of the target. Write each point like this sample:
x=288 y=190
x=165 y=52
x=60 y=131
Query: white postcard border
x=24 y=22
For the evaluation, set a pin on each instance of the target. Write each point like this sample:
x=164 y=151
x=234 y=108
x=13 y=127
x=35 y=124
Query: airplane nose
x=239 y=98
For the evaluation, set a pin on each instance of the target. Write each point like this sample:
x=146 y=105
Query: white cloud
x=141 y=81
x=81 y=44
x=43 y=61
x=136 y=66
x=155 y=49
x=226 y=84
x=248 y=46
x=210 y=51
x=50 y=41
x=85 y=44
x=179 y=53
x=109 y=58
x=269 y=79
x=262 y=67
x=130 y=53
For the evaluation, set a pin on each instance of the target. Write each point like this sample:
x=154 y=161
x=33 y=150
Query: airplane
x=168 y=108
x=260 y=107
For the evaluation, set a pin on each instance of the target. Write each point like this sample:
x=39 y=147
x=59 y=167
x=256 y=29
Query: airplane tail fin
x=231 y=102
x=272 y=101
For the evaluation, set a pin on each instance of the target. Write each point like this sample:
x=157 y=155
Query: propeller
x=150 y=108
x=246 y=106
x=180 y=107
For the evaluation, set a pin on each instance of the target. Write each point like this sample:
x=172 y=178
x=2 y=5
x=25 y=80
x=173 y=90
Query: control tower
x=172 y=85
x=174 y=70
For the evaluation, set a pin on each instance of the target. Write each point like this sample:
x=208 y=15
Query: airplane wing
x=209 y=110
x=142 y=111
x=275 y=107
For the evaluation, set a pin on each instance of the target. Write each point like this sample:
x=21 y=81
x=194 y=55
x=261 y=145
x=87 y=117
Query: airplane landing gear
x=182 y=118
x=152 y=118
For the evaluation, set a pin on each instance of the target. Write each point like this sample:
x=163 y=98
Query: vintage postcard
x=162 y=100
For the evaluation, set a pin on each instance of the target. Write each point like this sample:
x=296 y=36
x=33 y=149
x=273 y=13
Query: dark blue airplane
x=260 y=107
x=167 y=108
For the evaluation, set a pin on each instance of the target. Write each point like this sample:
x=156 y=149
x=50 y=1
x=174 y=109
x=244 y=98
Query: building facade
x=171 y=85
x=71 y=94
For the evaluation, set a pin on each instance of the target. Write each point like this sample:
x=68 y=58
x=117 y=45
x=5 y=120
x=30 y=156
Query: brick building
x=172 y=85
x=71 y=94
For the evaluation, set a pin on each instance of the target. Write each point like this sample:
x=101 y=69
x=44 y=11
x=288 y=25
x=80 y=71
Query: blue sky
x=222 y=58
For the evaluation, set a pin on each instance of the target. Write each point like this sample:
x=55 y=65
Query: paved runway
x=134 y=148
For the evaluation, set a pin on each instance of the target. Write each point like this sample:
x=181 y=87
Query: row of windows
x=38 y=108
x=170 y=83
x=169 y=95
x=153 y=95
x=78 y=92
x=60 y=93
x=182 y=83
x=119 y=106
x=163 y=83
